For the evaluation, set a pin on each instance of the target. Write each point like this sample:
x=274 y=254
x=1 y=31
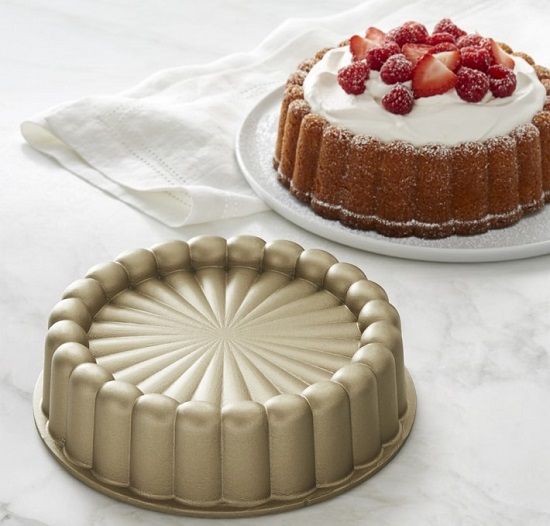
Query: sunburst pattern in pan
x=224 y=336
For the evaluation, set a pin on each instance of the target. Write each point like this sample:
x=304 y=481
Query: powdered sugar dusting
x=526 y=131
x=307 y=64
x=299 y=105
x=297 y=78
x=542 y=72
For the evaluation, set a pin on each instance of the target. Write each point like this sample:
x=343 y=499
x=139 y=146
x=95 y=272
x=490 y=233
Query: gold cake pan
x=224 y=378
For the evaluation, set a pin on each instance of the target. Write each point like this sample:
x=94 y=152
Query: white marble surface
x=477 y=336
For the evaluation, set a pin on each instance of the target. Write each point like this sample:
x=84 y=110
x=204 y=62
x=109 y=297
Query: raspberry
x=409 y=33
x=446 y=25
x=378 y=55
x=444 y=46
x=471 y=84
x=399 y=100
x=396 y=69
x=498 y=71
x=475 y=58
x=473 y=39
x=352 y=78
x=438 y=38
x=502 y=81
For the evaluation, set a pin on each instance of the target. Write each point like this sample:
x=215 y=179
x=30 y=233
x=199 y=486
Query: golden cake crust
x=398 y=189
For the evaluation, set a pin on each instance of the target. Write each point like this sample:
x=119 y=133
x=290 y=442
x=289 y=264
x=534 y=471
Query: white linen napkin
x=166 y=146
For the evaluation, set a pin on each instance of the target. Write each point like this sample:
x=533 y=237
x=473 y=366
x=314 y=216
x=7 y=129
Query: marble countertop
x=477 y=336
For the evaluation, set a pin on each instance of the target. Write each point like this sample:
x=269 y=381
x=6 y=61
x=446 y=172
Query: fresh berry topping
x=358 y=47
x=475 y=58
x=438 y=38
x=473 y=39
x=444 y=46
x=396 y=69
x=450 y=58
x=413 y=52
x=399 y=100
x=471 y=84
x=375 y=35
x=500 y=56
x=431 y=77
x=446 y=25
x=502 y=81
x=378 y=55
x=409 y=33
x=352 y=78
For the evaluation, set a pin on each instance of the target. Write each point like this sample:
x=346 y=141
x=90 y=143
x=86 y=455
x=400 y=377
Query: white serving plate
x=254 y=149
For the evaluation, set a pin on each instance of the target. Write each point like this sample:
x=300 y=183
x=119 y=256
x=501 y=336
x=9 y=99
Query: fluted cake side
x=398 y=189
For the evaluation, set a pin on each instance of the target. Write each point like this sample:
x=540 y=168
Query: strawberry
x=475 y=58
x=438 y=38
x=502 y=81
x=446 y=25
x=471 y=84
x=499 y=56
x=378 y=55
x=396 y=69
x=399 y=100
x=358 y=47
x=443 y=46
x=450 y=58
x=409 y=33
x=414 y=51
x=431 y=77
x=473 y=39
x=375 y=35
x=352 y=78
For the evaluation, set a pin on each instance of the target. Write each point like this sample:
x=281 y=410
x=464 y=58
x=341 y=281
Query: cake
x=409 y=133
x=224 y=377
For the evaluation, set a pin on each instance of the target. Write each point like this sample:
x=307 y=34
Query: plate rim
x=377 y=246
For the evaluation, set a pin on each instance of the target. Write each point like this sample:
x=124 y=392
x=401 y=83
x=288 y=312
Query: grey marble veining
x=477 y=336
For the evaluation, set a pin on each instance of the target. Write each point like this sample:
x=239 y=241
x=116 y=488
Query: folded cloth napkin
x=166 y=145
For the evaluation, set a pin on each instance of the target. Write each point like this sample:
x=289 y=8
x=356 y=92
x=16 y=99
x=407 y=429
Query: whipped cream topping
x=443 y=119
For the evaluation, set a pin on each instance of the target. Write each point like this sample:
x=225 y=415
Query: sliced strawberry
x=431 y=77
x=375 y=35
x=358 y=47
x=415 y=51
x=500 y=56
x=450 y=58
x=444 y=46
